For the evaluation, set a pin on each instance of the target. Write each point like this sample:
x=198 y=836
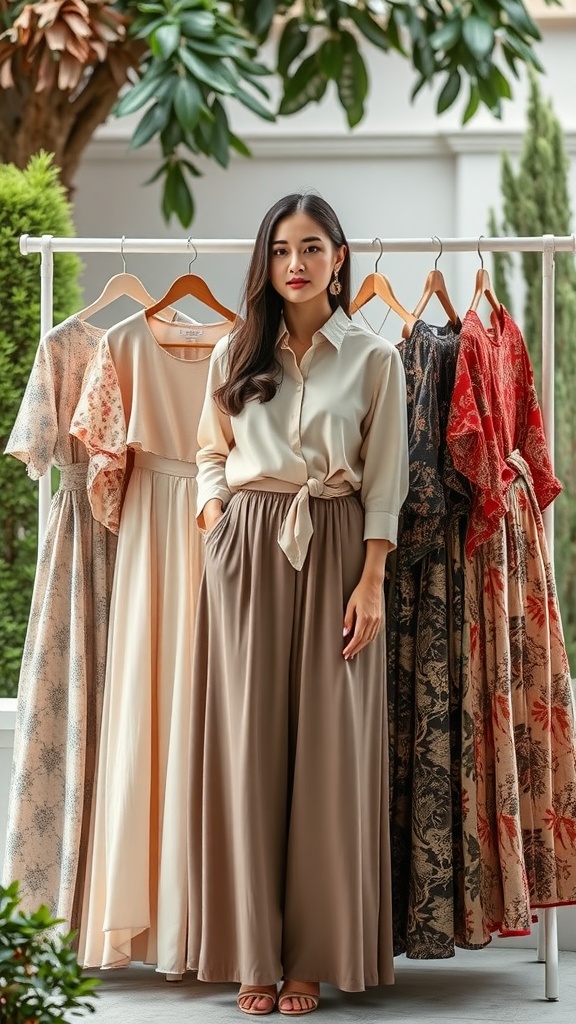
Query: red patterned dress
x=519 y=747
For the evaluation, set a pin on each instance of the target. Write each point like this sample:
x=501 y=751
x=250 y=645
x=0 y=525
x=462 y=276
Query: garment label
x=189 y=333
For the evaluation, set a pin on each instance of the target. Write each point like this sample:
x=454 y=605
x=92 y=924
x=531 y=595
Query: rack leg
x=551 y=970
x=541 y=953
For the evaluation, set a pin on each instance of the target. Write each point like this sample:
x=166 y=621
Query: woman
x=302 y=470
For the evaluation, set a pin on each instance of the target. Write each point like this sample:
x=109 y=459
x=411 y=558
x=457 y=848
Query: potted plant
x=40 y=979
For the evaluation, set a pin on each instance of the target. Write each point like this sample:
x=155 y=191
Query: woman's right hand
x=213 y=511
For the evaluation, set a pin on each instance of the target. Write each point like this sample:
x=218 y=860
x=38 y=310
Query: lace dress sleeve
x=99 y=422
x=35 y=431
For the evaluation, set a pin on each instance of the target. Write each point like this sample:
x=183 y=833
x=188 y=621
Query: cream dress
x=138 y=418
x=62 y=673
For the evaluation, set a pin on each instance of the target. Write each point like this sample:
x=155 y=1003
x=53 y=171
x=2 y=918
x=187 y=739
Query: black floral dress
x=424 y=592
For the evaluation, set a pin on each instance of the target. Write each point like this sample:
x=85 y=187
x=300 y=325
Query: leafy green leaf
x=164 y=40
x=215 y=48
x=157 y=173
x=522 y=50
x=331 y=58
x=307 y=85
x=239 y=145
x=219 y=138
x=520 y=18
x=198 y=25
x=393 y=31
x=424 y=60
x=253 y=104
x=420 y=83
x=478 y=36
x=353 y=81
x=501 y=83
x=252 y=67
x=259 y=15
x=142 y=28
x=449 y=92
x=138 y=95
x=207 y=73
x=177 y=196
x=472 y=105
x=369 y=27
x=490 y=96
x=152 y=123
x=171 y=136
x=188 y=101
x=191 y=168
x=446 y=37
x=292 y=42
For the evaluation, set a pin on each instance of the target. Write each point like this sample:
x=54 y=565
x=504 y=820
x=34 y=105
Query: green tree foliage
x=40 y=979
x=63 y=64
x=536 y=202
x=32 y=200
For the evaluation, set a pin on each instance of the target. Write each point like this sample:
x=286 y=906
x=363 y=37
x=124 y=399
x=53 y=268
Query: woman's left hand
x=364 y=615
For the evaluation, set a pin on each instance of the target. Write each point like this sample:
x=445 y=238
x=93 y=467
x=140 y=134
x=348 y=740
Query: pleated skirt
x=289 y=837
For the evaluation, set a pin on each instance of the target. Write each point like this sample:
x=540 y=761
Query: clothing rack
x=547 y=244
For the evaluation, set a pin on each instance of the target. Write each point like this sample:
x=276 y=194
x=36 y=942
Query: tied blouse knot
x=336 y=425
x=296 y=531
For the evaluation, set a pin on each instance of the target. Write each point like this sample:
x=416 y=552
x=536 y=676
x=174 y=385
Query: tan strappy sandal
x=262 y=991
x=297 y=990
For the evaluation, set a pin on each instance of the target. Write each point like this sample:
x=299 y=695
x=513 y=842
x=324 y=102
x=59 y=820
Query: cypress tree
x=536 y=202
x=31 y=201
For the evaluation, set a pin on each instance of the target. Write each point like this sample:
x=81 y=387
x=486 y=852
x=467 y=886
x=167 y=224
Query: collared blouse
x=337 y=424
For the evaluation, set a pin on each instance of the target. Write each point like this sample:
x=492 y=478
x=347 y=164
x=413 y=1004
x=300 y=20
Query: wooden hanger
x=376 y=285
x=434 y=285
x=119 y=286
x=190 y=284
x=483 y=286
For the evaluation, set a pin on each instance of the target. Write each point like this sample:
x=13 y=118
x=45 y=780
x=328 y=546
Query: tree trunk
x=53 y=121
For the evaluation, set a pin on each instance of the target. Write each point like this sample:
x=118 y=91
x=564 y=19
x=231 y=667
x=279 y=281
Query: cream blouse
x=336 y=424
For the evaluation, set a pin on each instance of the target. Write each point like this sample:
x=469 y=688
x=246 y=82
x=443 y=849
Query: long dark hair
x=253 y=369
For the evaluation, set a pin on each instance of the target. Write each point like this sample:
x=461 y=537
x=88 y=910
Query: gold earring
x=335 y=287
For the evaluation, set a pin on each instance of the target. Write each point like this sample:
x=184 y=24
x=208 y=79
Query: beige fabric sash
x=158 y=464
x=73 y=476
x=296 y=531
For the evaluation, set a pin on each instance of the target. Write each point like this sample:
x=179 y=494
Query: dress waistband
x=295 y=534
x=73 y=476
x=158 y=464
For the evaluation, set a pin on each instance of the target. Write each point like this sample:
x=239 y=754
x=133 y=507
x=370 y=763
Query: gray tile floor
x=495 y=986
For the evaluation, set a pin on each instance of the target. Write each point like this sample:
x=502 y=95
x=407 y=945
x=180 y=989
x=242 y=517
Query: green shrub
x=31 y=201
x=40 y=979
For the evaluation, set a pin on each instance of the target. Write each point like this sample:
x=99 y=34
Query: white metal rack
x=548 y=245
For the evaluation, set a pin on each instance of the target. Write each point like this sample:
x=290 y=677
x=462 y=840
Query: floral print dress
x=518 y=728
x=62 y=673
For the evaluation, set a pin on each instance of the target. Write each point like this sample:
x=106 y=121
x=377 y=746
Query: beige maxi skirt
x=289 y=851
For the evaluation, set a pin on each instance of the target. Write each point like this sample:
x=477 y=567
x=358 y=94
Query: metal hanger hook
x=435 y=237
x=122 y=254
x=379 y=240
x=195 y=256
x=479 y=253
